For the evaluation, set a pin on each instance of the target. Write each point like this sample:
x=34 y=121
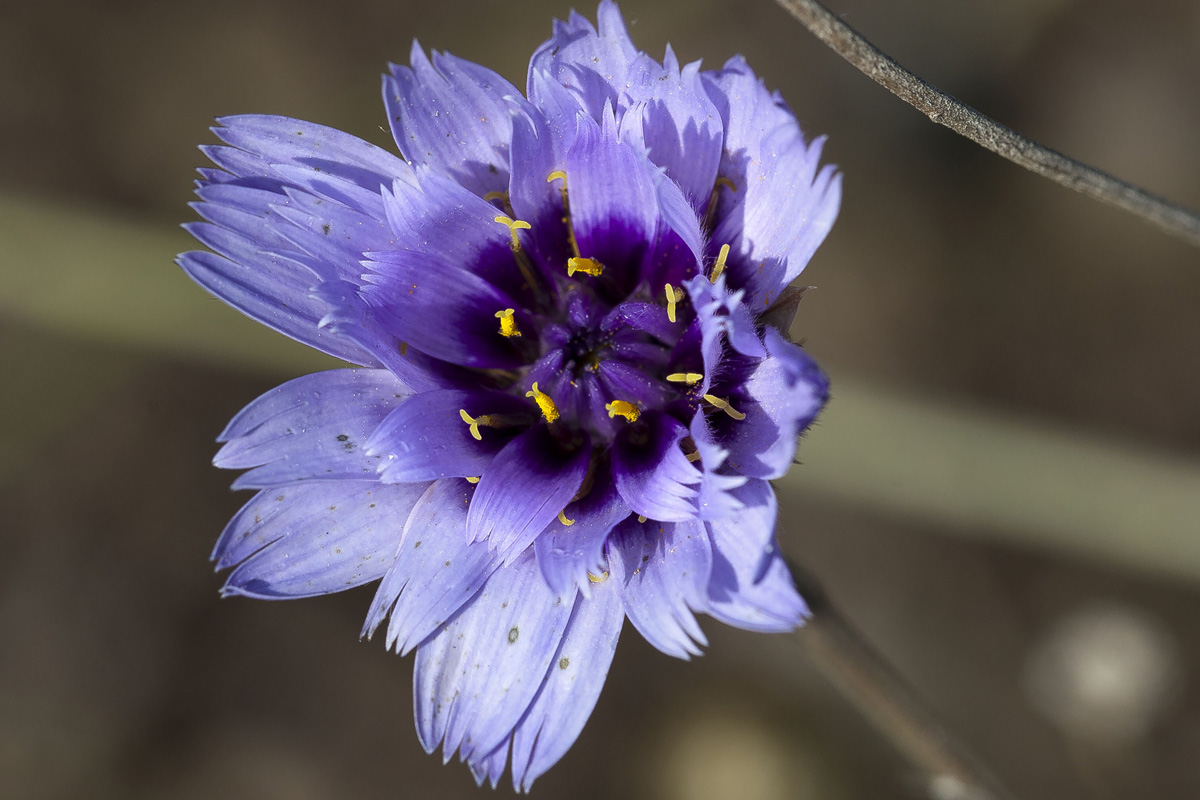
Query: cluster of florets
x=570 y=313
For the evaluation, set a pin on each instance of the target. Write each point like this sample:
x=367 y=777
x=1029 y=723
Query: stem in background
x=866 y=680
x=945 y=110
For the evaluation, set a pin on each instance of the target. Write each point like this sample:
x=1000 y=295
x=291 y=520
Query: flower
x=569 y=313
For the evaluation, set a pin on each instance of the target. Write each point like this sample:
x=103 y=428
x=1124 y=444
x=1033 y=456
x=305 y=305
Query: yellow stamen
x=558 y=174
x=724 y=406
x=475 y=422
x=641 y=517
x=490 y=196
x=600 y=579
x=404 y=348
x=508 y=325
x=672 y=298
x=685 y=377
x=693 y=456
x=725 y=182
x=562 y=517
x=513 y=226
x=719 y=267
x=544 y=402
x=588 y=266
x=625 y=409
x=473 y=479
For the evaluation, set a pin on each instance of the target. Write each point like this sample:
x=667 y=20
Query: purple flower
x=574 y=384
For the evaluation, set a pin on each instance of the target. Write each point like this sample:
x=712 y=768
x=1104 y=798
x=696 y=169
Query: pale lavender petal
x=662 y=571
x=780 y=399
x=750 y=586
x=680 y=124
x=591 y=63
x=435 y=571
x=315 y=426
x=314 y=537
x=452 y=115
x=571 y=688
x=475 y=679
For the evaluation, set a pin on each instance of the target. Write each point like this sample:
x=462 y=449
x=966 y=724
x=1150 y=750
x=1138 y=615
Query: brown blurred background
x=951 y=276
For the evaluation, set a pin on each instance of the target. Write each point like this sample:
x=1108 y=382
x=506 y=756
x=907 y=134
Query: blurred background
x=1003 y=496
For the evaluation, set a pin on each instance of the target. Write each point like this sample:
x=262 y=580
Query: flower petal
x=526 y=485
x=680 y=124
x=780 y=399
x=426 y=438
x=273 y=290
x=614 y=205
x=662 y=571
x=476 y=677
x=452 y=115
x=591 y=64
x=571 y=688
x=750 y=586
x=435 y=572
x=315 y=426
x=782 y=207
x=651 y=471
x=567 y=554
x=314 y=537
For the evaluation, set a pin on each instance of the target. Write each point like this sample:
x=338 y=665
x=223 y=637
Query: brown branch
x=945 y=110
x=867 y=681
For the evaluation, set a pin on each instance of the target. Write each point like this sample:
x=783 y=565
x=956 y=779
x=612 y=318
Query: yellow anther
x=673 y=297
x=685 y=377
x=544 y=402
x=725 y=182
x=600 y=579
x=588 y=266
x=719 y=267
x=622 y=408
x=724 y=406
x=404 y=348
x=693 y=456
x=473 y=479
x=641 y=517
x=558 y=174
x=513 y=226
x=508 y=325
x=475 y=422
x=562 y=517
x=490 y=196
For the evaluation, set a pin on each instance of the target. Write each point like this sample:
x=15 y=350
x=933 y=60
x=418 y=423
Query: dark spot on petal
x=325 y=228
x=513 y=633
x=492 y=169
x=342 y=437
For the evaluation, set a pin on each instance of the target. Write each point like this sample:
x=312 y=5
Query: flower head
x=569 y=311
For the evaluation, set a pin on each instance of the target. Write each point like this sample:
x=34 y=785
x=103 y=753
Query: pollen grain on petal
x=508 y=325
x=544 y=402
